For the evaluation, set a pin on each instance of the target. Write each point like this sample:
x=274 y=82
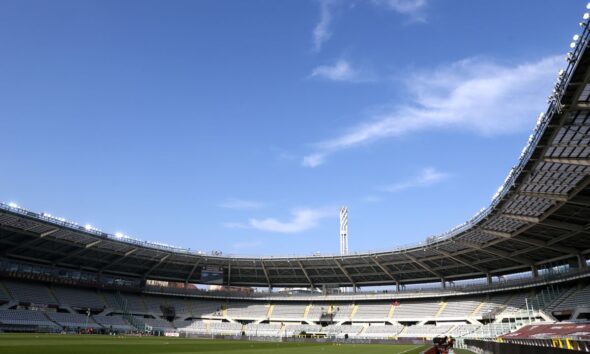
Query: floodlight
x=586 y=16
x=13 y=205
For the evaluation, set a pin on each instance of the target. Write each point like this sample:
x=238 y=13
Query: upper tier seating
x=578 y=297
x=373 y=311
x=36 y=293
x=413 y=310
x=288 y=312
x=78 y=297
x=243 y=310
x=459 y=308
x=199 y=308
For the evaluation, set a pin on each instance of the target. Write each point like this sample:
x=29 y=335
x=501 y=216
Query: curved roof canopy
x=539 y=216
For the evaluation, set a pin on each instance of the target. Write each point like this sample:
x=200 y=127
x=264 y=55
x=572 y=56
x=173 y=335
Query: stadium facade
x=527 y=251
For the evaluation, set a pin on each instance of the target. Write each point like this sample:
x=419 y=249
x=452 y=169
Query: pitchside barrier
x=295 y=339
x=527 y=346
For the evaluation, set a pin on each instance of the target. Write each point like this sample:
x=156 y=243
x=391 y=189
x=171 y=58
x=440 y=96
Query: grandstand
x=526 y=257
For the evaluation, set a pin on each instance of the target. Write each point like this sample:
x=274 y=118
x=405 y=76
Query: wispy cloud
x=412 y=8
x=471 y=95
x=301 y=220
x=427 y=177
x=241 y=204
x=321 y=32
x=341 y=70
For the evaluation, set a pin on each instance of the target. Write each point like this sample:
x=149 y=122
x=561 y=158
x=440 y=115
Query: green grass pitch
x=92 y=344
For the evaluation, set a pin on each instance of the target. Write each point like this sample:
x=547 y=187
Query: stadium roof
x=540 y=215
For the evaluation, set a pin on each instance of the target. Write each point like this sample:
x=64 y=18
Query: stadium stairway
x=54 y=297
x=5 y=289
x=355 y=309
x=306 y=312
x=8 y=305
x=561 y=298
x=391 y=311
x=442 y=307
x=402 y=332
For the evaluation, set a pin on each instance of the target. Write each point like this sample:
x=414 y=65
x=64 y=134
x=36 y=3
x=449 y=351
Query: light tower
x=344 y=231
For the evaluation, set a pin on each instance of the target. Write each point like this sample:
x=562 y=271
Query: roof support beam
x=306 y=275
x=497 y=233
x=423 y=265
x=506 y=255
x=525 y=218
x=116 y=261
x=551 y=196
x=156 y=265
x=383 y=268
x=542 y=244
x=497 y=253
x=568 y=160
x=562 y=225
x=266 y=274
x=345 y=273
x=79 y=251
x=457 y=259
x=47 y=233
x=580 y=200
x=32 y=241
x=188 y=277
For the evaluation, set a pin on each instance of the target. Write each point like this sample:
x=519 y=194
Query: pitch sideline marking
x=407 y=350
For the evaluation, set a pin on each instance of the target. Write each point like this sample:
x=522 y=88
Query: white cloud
x=301 y=220
x=428 y=177
x=340 y=71
x=412 y=8
x=241 y=204
x=313 y=160
x=321 y=32
x=471 y=95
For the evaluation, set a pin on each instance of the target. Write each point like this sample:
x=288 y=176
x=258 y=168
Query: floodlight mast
x=344 y=231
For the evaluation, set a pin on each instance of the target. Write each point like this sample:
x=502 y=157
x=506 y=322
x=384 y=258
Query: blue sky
x=242 y=126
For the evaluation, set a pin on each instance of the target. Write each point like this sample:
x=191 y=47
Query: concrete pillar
x=581 y=261
x=489 y=278
x=397 y=286
x=443 y=283
x=535 y=271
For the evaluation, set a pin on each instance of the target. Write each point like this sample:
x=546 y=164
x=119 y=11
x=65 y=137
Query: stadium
x=514 y=278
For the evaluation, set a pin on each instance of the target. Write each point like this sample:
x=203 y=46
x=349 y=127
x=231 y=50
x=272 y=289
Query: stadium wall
x=559 y=346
